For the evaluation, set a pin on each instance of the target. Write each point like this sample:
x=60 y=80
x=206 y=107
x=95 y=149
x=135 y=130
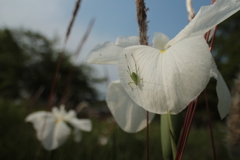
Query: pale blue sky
x=113 y=18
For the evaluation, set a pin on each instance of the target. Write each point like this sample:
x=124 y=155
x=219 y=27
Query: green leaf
x=170 y=132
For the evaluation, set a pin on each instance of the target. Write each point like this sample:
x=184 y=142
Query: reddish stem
x=210 y=126
x=147 y=134
x=186 y=129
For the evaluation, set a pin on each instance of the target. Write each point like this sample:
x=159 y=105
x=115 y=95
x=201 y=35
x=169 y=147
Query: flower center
x=162 y=51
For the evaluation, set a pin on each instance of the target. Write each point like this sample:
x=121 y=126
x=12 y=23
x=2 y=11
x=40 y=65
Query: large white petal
x=70 y=114
x=37 y=118
x=104 y=53
x=45 y=135
x=108 y=52
x=224 y=96
x=59 y=135
x=170 y=80
x=41 y=120
x=207 y=18
x=127 y=41
x=129 y=116
x=159 y=40
x=81 y=124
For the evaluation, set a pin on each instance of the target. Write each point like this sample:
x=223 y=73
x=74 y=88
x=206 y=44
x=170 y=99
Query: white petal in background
x=60 y=134
x=52 y=134
x=171 y=80
x=39 y=120
x=159 y=40
x=207 y=18
x=108 y=52
x=126 y=41
x=81 y=124
x=129 y=116
x=52 y=130
x=224 y=96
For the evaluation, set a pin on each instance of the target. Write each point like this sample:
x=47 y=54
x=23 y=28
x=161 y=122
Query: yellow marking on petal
x=58 y=120
x=162 y=51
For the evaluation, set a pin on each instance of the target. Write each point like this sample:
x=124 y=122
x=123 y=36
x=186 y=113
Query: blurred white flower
x=102 y=140
x=52 y=127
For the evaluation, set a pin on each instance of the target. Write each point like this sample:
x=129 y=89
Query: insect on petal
x=170 y=80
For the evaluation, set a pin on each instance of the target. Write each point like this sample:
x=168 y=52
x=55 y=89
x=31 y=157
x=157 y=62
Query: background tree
x=227 y=57
x=226 y=48
x=27 y=65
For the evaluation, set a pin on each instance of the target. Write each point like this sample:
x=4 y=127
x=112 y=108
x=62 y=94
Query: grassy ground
x=18 y=141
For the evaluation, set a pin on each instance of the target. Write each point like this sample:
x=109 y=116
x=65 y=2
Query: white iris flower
x=52 y=127
x=166 y=77
x=169 y=78
x=129 y=116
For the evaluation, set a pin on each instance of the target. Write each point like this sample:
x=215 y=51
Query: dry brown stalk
x=52 y=91
x=233 y=121
x=73 y=18
x=72 y=70
x=142 y=21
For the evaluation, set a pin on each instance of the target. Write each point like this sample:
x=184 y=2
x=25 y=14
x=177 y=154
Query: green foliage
x=27 y=65
x=226 y=48
x=12 y=61
x=18 y=141
x=171 y=126
x=227 y=58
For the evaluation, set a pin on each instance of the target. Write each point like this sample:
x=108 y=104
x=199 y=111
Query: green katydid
x=134 y=75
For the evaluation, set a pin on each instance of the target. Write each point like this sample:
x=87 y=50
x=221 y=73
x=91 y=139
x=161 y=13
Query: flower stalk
x=54 y=82
x=142 y=21
x=143 y=39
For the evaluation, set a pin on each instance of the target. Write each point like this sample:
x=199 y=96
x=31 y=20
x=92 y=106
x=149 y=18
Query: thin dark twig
x=35 y=97
x=147 y=135
x=189 y=127
x=211 y=44
x=187 y=117
x=210 y=126
x=85 y=37
x=76 y=54
x=73 y=18
x=50 y=99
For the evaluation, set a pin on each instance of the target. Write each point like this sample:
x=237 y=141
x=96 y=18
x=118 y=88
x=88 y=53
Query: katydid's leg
x=130 y=85
x=142 y=81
